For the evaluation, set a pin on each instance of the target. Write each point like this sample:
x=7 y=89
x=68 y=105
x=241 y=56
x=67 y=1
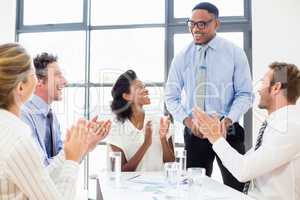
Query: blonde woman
x=22 y=173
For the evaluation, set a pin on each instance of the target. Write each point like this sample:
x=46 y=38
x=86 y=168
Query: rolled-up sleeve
x=243 y=94
x=173 y=90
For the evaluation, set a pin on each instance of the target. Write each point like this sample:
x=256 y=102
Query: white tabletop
x=152 y=186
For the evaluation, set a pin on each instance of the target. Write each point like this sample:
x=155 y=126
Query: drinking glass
x=114 y=165
x=195 y=175
x=180 y=155
x=171 y=172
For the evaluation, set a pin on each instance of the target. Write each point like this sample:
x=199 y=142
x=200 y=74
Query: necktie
x=52 y=148
x=257 y=145
x=201 y=77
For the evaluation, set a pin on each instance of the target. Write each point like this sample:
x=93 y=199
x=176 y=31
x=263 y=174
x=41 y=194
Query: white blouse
x=22 y=172
x=128 y=138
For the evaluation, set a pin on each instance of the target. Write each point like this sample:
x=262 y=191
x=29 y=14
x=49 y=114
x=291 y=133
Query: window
x=97 y=40
x=182 y=8
x=52 y=11
x=71 y=108
x=68 y=46
x=115 y=51
x=114 y=12
x=100 y=101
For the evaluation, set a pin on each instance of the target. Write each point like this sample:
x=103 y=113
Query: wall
x=7 y=20
x=276 y=37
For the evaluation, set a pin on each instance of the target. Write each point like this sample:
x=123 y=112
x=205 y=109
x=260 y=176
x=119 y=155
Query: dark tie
x=257 y=145
x=52 y=147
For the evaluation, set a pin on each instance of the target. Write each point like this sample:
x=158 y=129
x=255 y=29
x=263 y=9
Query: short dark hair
x=289 y=77
x=211 y=8
x=41 y=62
x=119 y=106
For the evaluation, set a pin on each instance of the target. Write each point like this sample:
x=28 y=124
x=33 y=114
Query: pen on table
x=133 y=177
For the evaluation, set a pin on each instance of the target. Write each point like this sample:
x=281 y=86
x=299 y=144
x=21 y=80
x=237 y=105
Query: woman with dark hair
x=144 y=142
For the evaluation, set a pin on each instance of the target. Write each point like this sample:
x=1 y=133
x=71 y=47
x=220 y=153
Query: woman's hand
x=148 y=134
x=164 y=126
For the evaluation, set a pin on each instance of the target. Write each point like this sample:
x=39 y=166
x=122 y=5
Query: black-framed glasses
x=200 y=24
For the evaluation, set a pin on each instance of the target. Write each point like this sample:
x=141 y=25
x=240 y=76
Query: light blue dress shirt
x=228 y=81
x=34 y=113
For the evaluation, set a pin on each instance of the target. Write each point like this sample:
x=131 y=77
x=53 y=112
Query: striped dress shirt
x=22 y=172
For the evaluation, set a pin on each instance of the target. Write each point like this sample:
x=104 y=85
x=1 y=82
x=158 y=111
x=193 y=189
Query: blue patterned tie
x=201 y=77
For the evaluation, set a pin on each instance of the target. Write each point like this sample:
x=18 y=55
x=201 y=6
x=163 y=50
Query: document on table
x=149 y=180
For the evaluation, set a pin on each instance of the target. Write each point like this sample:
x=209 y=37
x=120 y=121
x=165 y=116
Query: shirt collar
x=9 y=115
x=40 y=104
x=281 y=114
x=213 y=43
x=12 y=120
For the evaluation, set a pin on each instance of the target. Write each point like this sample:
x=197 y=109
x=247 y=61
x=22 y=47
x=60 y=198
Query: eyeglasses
x=200 y=24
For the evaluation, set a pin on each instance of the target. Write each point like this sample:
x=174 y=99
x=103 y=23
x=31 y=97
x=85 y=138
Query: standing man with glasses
x=214 y=75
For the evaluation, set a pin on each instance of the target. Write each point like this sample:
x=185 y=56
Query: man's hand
x=98 y=130
x=188 y=122
x=210 y=127
x=76 y=143
x=225 y=124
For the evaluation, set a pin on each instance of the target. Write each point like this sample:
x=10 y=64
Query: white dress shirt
x=274 y=168
x=128 y=138
x=22 y=172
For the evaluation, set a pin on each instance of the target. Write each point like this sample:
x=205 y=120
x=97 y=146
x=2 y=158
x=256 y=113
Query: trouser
x=201 y=154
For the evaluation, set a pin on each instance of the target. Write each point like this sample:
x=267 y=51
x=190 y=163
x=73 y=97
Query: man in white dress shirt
x=271 y=170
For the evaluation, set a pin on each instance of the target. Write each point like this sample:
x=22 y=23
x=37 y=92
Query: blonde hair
x=15 y=64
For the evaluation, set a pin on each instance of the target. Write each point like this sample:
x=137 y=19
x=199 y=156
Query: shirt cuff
x=61 y=156
x=70 y=169
x=233 y=117
x=220 y=145
x=181 y=117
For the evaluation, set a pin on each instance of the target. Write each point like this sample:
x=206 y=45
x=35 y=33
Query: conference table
x=153 y=186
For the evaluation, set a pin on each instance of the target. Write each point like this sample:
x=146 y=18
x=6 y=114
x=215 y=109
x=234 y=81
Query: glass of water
x=195 y=175
x=180 y=155
x=114 y=165
x=171 y=172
